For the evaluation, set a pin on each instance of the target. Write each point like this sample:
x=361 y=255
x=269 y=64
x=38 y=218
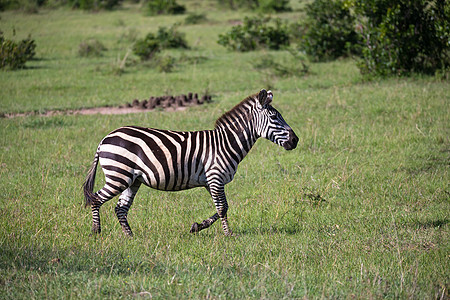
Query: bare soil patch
x=167 y=103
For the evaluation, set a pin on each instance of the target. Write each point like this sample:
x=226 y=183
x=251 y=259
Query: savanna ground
x=359 y=210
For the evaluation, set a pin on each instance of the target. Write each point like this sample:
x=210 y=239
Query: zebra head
x=271 y=125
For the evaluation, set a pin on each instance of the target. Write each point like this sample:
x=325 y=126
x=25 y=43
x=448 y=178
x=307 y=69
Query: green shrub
x=147 y=48
x=274 y=5
x=27 y=6
x=195 y=18
x=165 y=38
x=329 y=30
x=261 y=5
x=404 y=36
x=192 y=60
x=95 y=4
x=171 y=38
x=165 y=7
x=91 y=47
x=256 y=33
x=32 y=6
x=14 y=55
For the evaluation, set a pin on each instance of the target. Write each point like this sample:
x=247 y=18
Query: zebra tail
x=88 y=185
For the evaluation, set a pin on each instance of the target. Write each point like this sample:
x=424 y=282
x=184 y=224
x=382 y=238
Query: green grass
x=359 y=210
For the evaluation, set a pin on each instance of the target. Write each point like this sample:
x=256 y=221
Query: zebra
x=173 y=160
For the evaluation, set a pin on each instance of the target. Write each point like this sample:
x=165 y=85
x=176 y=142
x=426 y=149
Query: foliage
x=147 y=47
x=195 y=18
x=34 y=5
x=28 y=6
x=401 y=36
x=261 y=5
x=171 y=38
x=95 y=4
x=14 y=55
x=329 y=30
x=165 y=7
x=192 y=60
x=165 y=38
x=274 y=5
x=256 y=33
x=92 y=47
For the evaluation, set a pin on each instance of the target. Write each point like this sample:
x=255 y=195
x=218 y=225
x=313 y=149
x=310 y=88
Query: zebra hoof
x=94 y=234
x=128 y=234
x=195 y=228
x=95 y=231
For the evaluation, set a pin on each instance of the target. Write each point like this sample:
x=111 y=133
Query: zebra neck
x=236 y=140
x=236 y=129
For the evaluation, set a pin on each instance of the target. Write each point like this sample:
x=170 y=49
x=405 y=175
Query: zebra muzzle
x=292 y=141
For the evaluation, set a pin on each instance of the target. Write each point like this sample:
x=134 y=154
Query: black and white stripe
x=172 y=161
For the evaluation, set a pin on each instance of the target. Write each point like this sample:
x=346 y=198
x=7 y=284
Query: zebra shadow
x=269 y=230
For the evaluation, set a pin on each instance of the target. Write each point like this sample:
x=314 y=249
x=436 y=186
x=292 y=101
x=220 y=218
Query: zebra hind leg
x=205 y=224
x=102 y=196
x=124 y=204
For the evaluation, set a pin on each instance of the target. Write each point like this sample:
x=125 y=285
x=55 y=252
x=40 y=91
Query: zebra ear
x=265 y=97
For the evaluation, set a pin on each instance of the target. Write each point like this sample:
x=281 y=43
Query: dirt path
x=166 y=103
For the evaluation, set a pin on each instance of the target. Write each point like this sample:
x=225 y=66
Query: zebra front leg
x=124 y=204
x=220 y=201
x=205 y=224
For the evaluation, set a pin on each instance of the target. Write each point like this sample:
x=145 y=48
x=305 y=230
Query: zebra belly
x=121 y=172
x=164 y=160
x=200 y=182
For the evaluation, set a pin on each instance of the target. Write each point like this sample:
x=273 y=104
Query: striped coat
x=172 y=160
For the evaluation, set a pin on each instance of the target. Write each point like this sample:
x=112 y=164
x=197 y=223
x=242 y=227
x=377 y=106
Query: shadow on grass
x=432 y=224
x=44 y=260
x=269 y=230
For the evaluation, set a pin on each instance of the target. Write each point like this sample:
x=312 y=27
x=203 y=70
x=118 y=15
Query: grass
x=359 y=210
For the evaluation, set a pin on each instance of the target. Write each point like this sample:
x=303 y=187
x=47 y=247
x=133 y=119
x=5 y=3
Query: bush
x=95 y=4
x=405 y=36
x=27 y=6
x=261 y=5
x=329 y=30
x=91 y=48
x=195 y=18
x=164 y=39
x=32 y=6
x=14 y=55
x=165 y=7
x=256 y=33
x=171 y=38
x=147 y=48
x=274 y=5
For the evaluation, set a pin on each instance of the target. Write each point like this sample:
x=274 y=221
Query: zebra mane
x=241 y=109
